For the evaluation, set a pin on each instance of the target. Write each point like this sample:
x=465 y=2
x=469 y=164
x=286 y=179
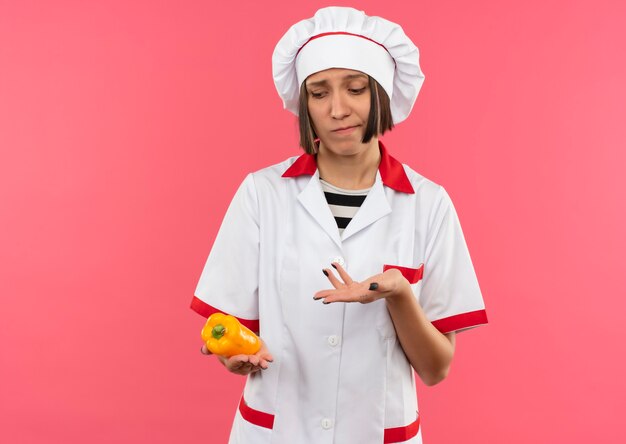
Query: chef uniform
x=339 y=373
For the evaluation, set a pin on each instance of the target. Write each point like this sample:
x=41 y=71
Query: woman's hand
x=244 y=364
x=383 y=285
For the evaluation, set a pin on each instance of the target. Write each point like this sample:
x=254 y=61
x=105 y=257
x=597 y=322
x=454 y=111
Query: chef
x=351 y=266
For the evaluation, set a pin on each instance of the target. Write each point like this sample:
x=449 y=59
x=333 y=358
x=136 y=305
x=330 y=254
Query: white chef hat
x=340 y=37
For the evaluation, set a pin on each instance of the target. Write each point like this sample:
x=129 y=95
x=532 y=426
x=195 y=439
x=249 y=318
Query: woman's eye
x=357 y=91
x=317 y=95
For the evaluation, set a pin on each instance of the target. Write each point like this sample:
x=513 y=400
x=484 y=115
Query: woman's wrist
x=402 y=288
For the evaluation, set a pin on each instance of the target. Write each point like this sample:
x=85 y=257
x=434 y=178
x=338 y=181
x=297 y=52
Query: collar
x=391 y=171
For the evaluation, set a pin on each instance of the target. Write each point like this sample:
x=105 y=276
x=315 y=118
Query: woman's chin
x=344 y=147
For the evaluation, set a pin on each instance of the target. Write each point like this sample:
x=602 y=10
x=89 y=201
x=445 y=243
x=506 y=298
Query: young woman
x=351 y=266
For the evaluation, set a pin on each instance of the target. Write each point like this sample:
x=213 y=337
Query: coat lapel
x=390 y=174
x=374 y=207
x=313 y=200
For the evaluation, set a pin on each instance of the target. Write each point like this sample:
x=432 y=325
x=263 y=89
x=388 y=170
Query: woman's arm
x=429 y=351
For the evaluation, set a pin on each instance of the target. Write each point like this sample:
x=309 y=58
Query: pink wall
x=123 y=134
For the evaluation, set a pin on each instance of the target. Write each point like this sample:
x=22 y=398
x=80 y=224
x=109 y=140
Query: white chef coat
x=339 y=373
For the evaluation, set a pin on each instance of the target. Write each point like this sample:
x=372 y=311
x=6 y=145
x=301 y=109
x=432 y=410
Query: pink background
x=125 y=128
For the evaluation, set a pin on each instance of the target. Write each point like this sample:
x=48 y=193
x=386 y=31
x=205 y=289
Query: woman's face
x=339 y=107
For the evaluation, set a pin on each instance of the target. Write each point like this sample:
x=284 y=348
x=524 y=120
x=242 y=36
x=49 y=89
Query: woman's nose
x=339 y=108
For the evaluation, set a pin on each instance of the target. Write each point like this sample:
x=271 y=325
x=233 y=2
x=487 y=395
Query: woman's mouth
x=346 y=130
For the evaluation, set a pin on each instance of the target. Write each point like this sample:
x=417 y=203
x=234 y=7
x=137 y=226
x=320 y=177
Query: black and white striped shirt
x=343 y=203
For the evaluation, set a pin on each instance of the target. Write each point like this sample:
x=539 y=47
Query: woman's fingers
x=340 y=295
x=264 y=353
x=240 y=364
x=339 y=285
x=345 y=277
x=332 y=278
x=363 y=292
x=255 y=360
x=326 y=294
x=236 y=360
x=266 y=356
x=245 y=364
x=243 y=369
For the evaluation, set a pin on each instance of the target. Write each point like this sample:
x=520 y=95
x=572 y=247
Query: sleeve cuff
x=207 y=310
x=461 y=321
x=413 y=275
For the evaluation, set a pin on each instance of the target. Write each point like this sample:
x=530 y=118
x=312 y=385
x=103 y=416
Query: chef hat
x=339 y=37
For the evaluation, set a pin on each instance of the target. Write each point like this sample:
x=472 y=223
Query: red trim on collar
x=391 y=171
x=305 y=165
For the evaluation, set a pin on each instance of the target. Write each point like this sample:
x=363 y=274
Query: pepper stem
x=218 y=331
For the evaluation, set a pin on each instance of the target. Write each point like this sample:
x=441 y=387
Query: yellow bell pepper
x=224 y=335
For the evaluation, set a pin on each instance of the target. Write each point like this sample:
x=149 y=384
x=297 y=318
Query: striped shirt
x=343 y=203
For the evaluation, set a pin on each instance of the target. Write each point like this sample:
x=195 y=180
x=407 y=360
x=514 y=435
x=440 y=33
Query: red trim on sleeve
x=206 y=310
x=401 y=434
x=460 y=321
x=413 y=275
x=255 y=417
